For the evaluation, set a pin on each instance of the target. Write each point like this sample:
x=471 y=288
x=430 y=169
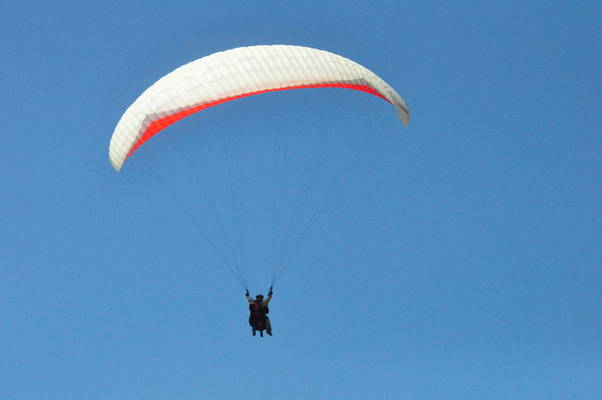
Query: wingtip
x=404 y=115
x=116 y=166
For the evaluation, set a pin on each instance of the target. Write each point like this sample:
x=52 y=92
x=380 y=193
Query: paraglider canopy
x=230 y=75
x=236 y=73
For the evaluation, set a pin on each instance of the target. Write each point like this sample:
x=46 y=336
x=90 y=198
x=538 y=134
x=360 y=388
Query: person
x=258 y=308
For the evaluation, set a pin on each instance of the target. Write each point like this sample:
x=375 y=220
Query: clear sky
x=459 y=259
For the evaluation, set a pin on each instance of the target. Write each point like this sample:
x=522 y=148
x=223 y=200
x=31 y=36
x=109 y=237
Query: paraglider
x=230 y=75
x=258 y=308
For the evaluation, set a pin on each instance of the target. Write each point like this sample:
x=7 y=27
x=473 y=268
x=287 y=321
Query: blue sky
x=460 y=257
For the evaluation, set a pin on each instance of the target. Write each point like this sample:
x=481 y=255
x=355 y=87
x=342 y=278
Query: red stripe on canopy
x=160 y=124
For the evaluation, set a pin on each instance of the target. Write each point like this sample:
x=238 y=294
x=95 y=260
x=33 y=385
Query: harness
x=257 y=310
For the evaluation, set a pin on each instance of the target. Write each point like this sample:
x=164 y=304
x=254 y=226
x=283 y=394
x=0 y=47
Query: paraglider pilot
x=258 y=308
